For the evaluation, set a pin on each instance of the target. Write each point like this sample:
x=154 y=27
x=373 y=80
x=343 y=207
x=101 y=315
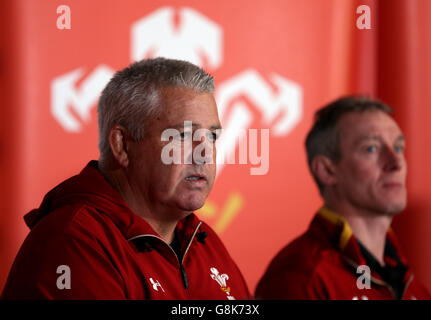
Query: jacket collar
x=341 y=236
x=90 y=187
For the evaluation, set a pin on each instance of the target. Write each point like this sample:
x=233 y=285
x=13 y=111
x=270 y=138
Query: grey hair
x=133 y=95
x=323 y=138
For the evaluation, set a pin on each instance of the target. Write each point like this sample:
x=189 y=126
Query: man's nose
x=393 y=159
x=203 y=151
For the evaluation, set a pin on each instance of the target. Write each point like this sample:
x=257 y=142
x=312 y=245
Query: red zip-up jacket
x=323 y=264
x=86 y=243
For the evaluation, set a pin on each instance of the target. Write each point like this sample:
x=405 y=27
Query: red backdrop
x=275 y=62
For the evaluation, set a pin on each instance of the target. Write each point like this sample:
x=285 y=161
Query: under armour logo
x=156 y=284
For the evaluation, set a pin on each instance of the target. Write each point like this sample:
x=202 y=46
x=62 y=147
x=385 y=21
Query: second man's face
x=178 y=187
x=371 y=173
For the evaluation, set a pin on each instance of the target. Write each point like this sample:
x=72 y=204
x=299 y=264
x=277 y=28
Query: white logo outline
x=221 y=279
x=276 y=100
x=156 y=284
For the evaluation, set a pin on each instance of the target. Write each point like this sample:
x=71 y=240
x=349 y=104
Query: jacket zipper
x=184 y=277
x=183 y=271
x=406 y=285
x=181 y=263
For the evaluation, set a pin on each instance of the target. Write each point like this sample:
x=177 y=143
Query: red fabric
x=315 y=267
x=84 y=224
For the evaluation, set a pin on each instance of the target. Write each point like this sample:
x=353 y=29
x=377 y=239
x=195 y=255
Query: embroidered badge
x=221 y=280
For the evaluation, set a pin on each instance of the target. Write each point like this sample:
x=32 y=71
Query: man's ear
x=118 y=143
x=324 y=169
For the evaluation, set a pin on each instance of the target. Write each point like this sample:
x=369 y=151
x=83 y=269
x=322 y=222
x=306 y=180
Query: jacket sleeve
x=291 y=284
x=66 y=264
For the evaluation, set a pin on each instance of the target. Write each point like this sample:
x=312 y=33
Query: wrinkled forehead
x=368 y=123
x=180 y=104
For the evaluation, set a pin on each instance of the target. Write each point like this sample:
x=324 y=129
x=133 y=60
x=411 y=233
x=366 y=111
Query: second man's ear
x=324 y=169
x=118 y=144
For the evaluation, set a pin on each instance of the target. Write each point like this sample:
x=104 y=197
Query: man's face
x=371 y=173
x=175 y=187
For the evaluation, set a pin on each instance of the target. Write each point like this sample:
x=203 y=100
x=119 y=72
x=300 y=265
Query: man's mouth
x=194 y=178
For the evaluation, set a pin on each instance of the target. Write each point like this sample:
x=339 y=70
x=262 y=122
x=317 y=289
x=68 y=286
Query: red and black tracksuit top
x=111 y=253
x=323 y=264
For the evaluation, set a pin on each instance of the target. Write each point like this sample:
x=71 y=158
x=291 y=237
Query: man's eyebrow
x=193 y=125
x=401 y=137
x=368 y=137
x=376 y=137
x=216 y=127
x=184 y=124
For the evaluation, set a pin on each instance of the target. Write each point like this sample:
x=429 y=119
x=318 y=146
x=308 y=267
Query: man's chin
x=393 y=209
x=192 y=204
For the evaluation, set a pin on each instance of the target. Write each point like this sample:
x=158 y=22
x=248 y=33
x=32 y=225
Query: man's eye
x=399 y=149
x=185 y=135
x=212 y=136
x=371 y=149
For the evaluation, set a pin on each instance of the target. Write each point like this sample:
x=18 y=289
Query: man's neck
x=164 y=226
x=369 y=228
